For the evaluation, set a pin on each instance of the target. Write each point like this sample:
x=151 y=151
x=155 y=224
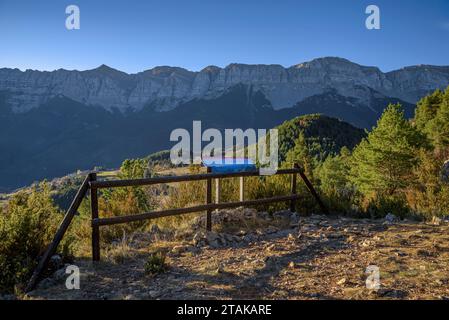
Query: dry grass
x=120 y=252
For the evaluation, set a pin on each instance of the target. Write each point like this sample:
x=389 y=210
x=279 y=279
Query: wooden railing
x=94 y=185
x=51 y=249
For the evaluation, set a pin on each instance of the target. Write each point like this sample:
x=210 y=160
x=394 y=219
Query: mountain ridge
x=167 y=87
x=328 y=58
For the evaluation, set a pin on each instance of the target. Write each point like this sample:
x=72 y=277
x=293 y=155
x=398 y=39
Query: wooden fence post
x=217 y=190
x=95 y=228
x=293 y=190
x=208 y=201
x=313 y=191
x=51 y=249
x=242 y=188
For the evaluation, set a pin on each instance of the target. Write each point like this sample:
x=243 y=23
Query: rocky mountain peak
x=211 y=69
x=167 y=87
x=167 y=71
x=325 y=61
x=105 y=70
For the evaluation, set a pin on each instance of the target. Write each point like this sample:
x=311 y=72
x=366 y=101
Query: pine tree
x=438 y=128
x=335 y=187
x=333 y=172
x=427 y=109
x=300 y=155
x=384 y=161
x=432 y=118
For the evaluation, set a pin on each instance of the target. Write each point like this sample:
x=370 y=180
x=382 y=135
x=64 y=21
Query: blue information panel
x=226 y=165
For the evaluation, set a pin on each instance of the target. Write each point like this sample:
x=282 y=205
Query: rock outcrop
x=164 y=88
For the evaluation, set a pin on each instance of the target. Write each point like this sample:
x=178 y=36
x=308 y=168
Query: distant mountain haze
x=53 y=123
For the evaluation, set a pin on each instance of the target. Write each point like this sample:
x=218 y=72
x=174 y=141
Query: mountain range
x=56 y=122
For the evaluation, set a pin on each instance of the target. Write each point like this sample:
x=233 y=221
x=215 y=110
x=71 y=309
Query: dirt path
x=325 y=258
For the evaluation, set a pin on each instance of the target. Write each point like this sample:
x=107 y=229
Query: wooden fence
x=91 y=183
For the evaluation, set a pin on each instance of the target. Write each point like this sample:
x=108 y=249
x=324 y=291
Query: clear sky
x=136 y=35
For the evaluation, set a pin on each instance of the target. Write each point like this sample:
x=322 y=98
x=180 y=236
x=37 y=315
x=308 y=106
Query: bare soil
x=322 y=258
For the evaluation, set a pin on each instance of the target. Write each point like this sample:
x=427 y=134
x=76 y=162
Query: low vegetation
x=27 y=225
x=155 y=263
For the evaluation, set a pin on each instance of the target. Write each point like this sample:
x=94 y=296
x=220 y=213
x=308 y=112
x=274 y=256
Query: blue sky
x=136 y=35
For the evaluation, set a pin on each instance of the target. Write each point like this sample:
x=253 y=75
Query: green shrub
x=155 y=263
x=335 y=189
x=381 y=205
x=267 y=187
x=26 y=228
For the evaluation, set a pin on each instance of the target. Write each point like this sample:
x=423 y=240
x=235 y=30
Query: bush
x=111 y=203
x=381 y=205
x=430 y=195
x=155 y=263
x=335 y=188
x=186 y=194
x=267 y=187
x=26 y=228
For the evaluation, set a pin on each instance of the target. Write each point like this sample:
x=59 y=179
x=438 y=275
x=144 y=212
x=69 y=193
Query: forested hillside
x=324 y=135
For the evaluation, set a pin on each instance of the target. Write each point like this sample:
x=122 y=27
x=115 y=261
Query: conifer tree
x=384 y=161
x=427 y=109
x=333 y=172
x=300 y=155
x=438 y=128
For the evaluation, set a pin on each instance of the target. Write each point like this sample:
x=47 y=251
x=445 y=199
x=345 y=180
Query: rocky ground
x=287 y=257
